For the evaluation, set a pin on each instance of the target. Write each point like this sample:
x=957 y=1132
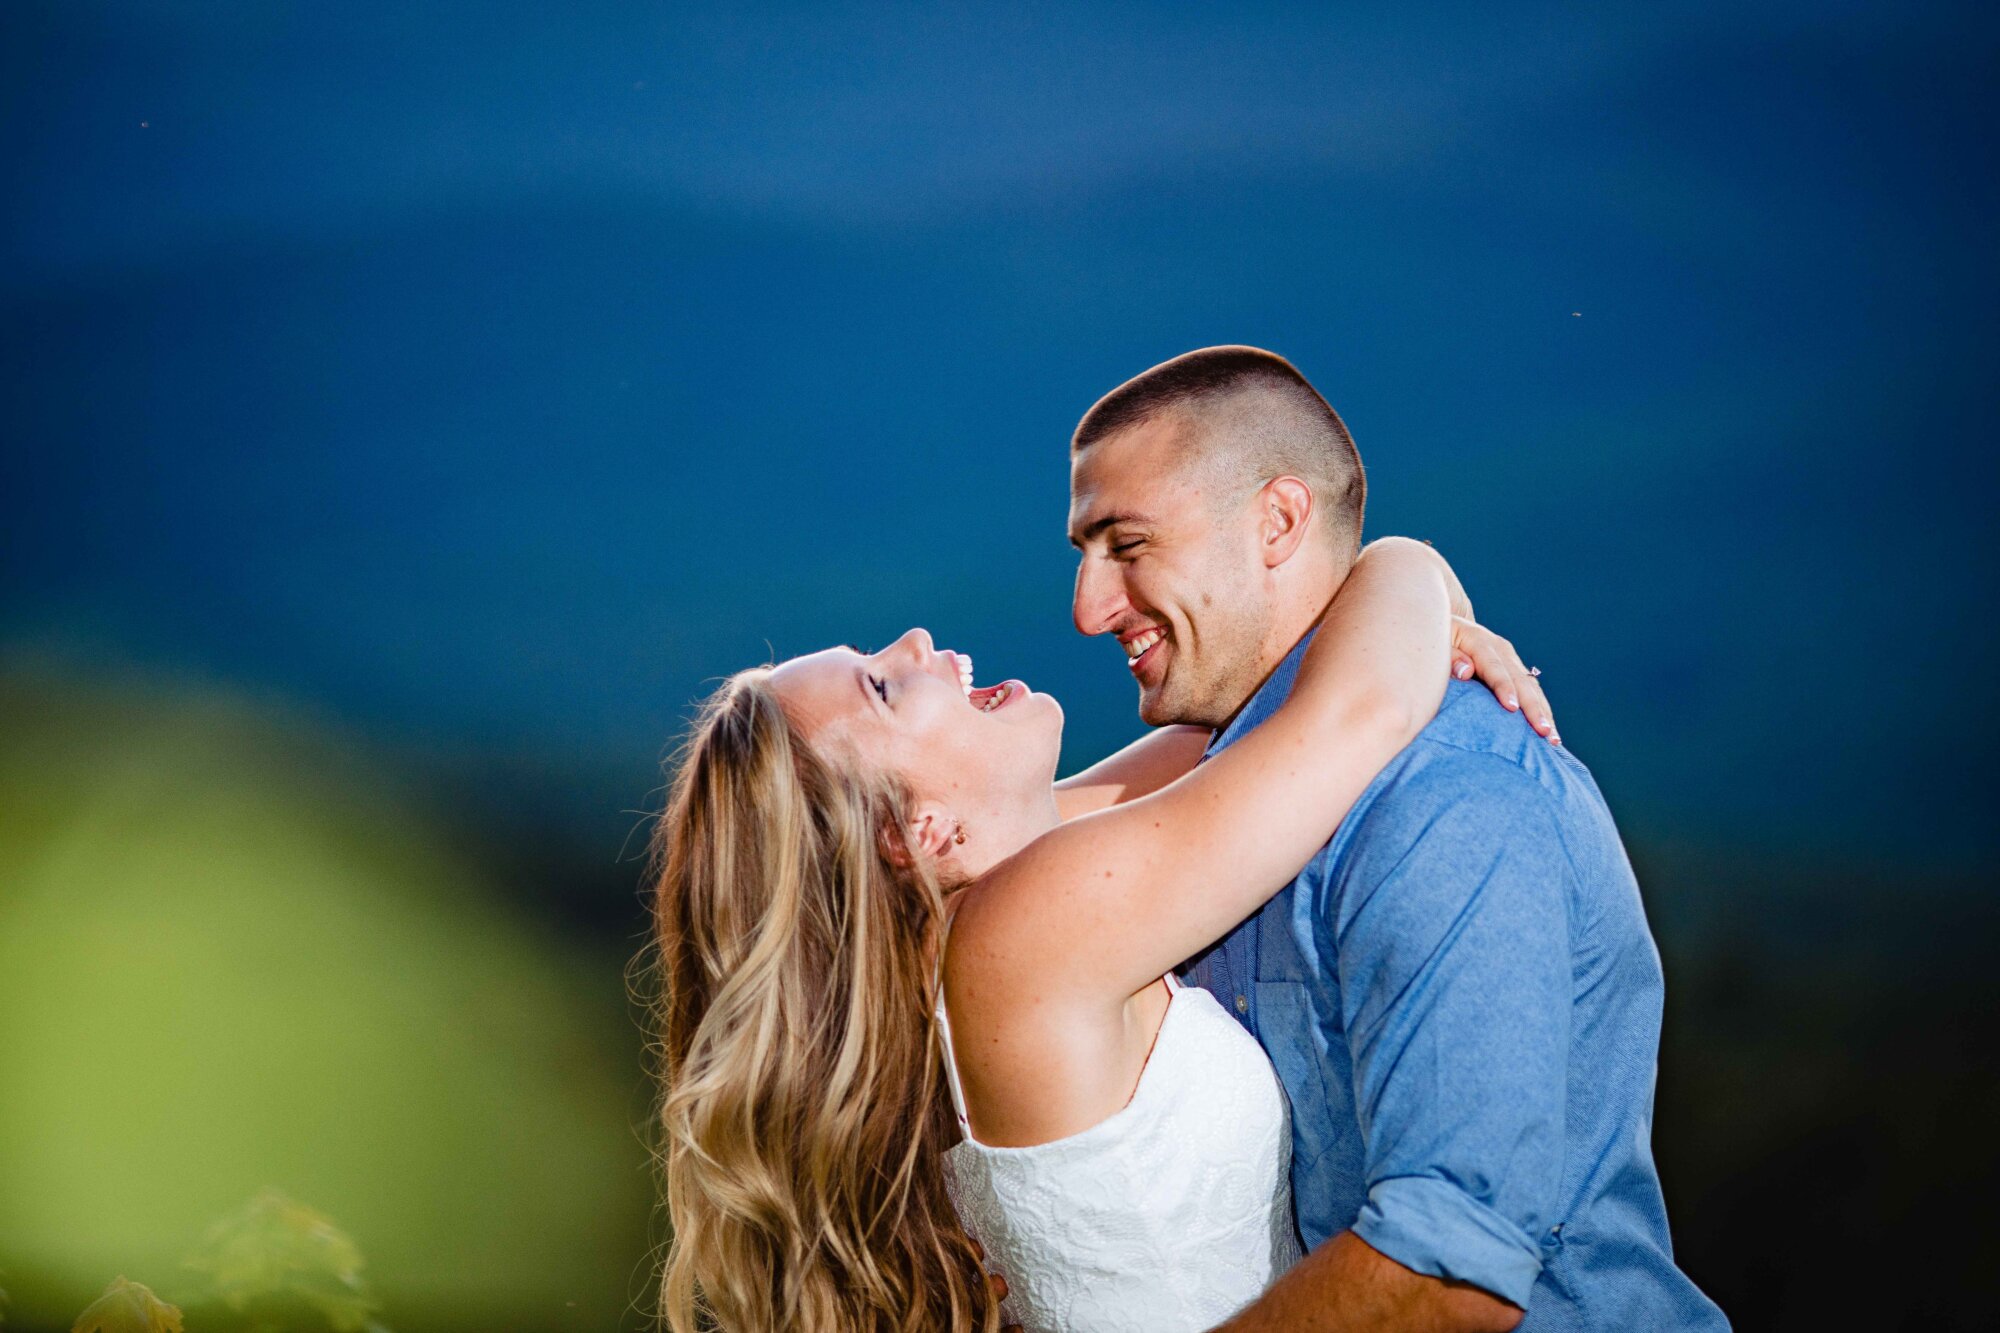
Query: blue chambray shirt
x=1463 y=1000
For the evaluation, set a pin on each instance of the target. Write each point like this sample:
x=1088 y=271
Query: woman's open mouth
x=986 y=698
x=992 y=698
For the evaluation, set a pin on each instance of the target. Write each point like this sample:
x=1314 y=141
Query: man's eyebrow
x=1077 y=539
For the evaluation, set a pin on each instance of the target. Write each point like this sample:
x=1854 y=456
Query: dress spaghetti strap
x=944 y=1032
x=944 y=1035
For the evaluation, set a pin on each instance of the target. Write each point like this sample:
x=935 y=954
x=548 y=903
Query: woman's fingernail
x=1513 y=704
x=1555 y=739
x=1463 y=671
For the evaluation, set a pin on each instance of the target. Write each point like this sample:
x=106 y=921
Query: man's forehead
x=1134 y=474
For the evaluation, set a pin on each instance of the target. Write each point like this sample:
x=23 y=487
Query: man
x=1460 y=993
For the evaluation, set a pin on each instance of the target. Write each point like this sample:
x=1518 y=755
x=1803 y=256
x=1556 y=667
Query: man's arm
x=1453 y=937
x=1347 y=1284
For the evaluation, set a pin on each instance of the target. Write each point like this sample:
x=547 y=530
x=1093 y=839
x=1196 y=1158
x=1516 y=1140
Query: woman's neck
x=992 y=835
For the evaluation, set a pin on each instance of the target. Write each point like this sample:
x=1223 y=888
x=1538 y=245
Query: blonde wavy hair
x=803 y=1116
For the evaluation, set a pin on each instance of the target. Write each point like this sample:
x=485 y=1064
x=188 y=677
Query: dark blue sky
x=488 y=377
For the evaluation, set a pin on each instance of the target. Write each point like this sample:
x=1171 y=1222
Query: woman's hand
x=1478 y=651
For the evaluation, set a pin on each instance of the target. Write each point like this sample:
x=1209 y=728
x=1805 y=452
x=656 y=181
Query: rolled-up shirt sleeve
x=1456 y=989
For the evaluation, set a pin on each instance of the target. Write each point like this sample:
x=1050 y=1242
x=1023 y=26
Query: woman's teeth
x=985 y=698
x=1135 y=647
x=989 y=697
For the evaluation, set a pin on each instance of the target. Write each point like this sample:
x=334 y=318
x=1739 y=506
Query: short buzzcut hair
x=1254 y=417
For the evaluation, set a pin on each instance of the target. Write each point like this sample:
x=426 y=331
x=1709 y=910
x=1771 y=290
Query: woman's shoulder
x=1039 y=1061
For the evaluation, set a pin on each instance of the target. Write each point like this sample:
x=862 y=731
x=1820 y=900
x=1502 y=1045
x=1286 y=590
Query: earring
x=958 y=834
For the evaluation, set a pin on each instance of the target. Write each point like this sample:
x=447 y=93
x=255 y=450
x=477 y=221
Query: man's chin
x=1156 y=710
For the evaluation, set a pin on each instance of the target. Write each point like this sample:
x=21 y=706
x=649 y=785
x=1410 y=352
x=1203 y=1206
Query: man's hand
x=1347 y=1284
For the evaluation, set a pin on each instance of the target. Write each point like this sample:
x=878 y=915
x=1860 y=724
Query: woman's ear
x=928 y=834
x=930 y=830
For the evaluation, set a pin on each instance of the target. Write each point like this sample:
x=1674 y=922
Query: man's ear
x=1284 y=511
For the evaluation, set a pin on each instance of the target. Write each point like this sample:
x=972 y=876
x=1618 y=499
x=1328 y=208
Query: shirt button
x=1242 y=1004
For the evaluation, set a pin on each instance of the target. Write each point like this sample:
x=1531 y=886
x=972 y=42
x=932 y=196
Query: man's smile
x=1143 y=650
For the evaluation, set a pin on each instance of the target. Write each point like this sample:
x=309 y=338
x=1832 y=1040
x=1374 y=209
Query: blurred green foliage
x=276 y=1253
x=232 y=958
x=128 y=1307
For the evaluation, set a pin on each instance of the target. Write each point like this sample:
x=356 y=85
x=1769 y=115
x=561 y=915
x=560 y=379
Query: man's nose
x=1098 y=597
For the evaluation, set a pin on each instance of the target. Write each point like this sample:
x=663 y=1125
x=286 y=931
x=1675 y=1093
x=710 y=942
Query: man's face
x=1170 y=568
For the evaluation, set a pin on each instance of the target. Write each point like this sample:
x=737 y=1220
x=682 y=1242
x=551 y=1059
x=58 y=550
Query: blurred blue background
x=409 y=411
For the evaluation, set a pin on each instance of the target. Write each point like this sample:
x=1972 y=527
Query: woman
x=847 y=829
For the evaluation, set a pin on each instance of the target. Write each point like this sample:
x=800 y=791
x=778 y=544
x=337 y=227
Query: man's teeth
x=1136 y=646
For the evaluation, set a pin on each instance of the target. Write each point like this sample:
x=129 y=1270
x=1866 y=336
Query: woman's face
x=913 y=710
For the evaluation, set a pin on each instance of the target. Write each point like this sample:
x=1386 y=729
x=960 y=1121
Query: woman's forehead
x=821 y=688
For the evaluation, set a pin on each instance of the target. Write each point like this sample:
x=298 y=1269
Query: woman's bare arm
x=1107 y=902
x=1143 y=767
x=1160 y=756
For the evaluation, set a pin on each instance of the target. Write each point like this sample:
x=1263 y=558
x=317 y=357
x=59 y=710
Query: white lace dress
x=1173 y=1214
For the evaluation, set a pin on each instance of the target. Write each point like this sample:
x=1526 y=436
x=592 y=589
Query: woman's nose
x=916 y=643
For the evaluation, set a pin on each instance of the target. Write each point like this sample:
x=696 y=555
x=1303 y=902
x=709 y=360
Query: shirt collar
x=1265 y=701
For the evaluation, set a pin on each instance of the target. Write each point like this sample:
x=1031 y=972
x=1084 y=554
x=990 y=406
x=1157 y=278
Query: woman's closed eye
x=881 y=687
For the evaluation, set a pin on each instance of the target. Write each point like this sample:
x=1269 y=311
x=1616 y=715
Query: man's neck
x=1294 y=618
